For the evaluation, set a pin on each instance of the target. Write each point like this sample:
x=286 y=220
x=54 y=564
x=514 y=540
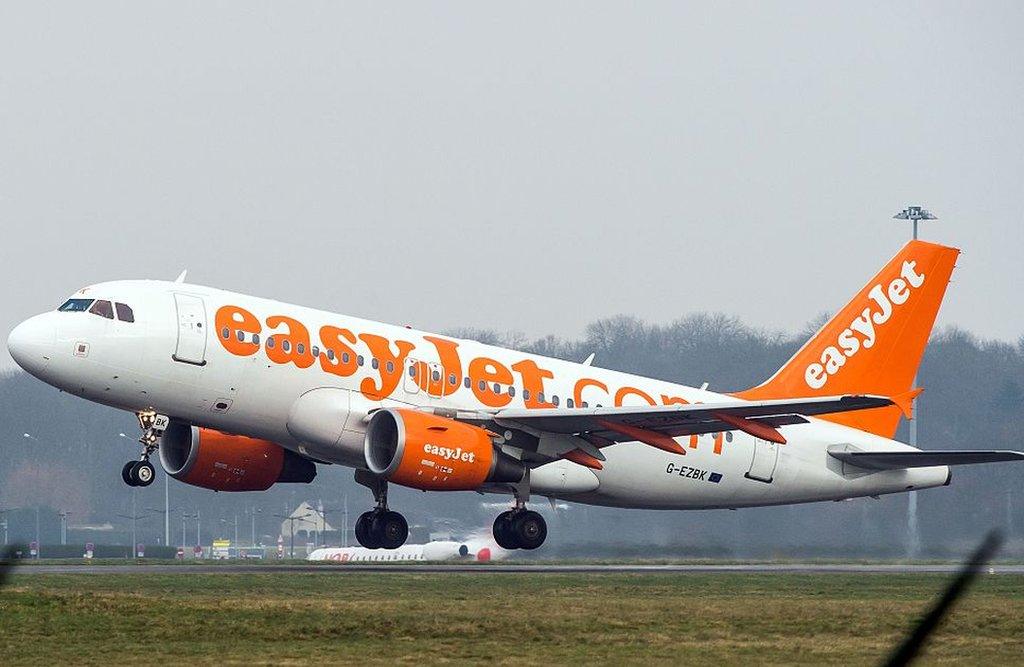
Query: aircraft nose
x=31 y=343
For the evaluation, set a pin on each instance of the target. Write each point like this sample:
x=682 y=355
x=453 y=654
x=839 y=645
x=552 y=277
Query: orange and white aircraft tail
x=874 y=344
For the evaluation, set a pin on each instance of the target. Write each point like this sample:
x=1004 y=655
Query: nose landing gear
x=380 y=528
x=142 y=472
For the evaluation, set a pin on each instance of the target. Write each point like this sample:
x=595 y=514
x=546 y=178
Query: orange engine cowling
x=223 y=462
x=424 y=451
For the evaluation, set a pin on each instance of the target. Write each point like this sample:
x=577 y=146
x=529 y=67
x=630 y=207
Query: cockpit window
x=103 y=309
x=76 y=305
x=124 y=312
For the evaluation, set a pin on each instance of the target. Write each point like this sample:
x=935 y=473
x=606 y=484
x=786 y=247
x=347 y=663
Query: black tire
x=502 y=530
x=530 y=529
x=390 y=530
x=364 y=534
x=126 y=473
x=143 y=473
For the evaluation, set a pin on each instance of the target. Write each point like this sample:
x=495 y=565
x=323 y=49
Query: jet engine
x=224 y=462
x=424 y=451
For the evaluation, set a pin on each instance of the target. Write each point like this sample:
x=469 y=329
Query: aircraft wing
x=657 y=425
x=912 y=459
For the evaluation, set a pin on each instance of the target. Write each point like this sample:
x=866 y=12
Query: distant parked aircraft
x=478 y=548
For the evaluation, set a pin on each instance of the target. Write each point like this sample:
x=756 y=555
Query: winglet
x=905 y=401
x=181 y=276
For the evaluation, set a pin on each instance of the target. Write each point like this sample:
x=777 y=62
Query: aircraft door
x=762 y=463
x=436 y=379
x=410 y=376
x=191 y=347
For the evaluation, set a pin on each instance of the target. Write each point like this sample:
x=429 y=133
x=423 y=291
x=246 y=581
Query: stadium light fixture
x=915 y=214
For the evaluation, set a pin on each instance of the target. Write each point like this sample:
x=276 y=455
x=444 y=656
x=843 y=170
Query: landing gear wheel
x=529 y=529
x=126 y=473
x=143 y=473
x=390 y=529
x=364 y=533
x=503 y=534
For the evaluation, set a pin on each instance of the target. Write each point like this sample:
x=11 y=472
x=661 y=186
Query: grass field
x=500 y=618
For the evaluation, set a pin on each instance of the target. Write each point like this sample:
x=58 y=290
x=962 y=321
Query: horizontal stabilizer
x=914 y=459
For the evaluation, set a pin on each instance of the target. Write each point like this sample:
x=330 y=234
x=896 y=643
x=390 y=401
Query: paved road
x=528 y=568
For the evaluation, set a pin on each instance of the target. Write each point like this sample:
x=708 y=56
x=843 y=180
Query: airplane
x=237 y=393
x=476 y=548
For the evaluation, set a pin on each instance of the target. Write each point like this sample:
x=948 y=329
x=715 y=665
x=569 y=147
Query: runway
x=524 y=568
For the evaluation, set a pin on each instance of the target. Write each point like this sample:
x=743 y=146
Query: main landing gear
x=380 y=528
x=142 y=472
x=520 y=528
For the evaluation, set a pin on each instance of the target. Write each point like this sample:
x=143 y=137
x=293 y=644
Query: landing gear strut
x=380 y=528
x=520 y=528
x=142 y=472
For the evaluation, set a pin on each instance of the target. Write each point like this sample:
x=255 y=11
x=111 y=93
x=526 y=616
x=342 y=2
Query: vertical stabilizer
x=875 y=343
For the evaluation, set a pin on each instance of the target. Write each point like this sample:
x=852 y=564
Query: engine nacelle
x=424 y=451
x=223 y=462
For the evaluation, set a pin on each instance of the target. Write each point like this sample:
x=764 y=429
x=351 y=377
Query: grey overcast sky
x=509 y=165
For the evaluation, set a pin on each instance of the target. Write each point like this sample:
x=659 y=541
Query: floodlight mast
x=915 y=214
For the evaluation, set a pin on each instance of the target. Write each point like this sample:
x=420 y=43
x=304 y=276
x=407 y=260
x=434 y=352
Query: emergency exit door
x=191 y=346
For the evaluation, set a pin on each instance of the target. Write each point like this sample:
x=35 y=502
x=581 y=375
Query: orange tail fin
x=875 y=343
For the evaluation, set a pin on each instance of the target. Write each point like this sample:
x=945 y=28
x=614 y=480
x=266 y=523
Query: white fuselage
x=184 y=358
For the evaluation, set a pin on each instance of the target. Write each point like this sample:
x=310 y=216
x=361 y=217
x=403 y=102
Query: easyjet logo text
x=450 y=454
x=381 y=365
x=863 y=330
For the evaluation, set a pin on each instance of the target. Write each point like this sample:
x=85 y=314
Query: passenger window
x=359 y=360
x=482 y=385
x=391 y=367
x=728 y=436
x=301 y=349
x=255 y=339
x=225 y=333
x=436 y=376
x=271 y=342
x=467 y=382
x=375 y=363
x=286 y=345
x=76 y=305
x=569 y=403
x=124 y=312
x=540 y=396
x=452 y=380
x=554 y=401
x=526 y=394
x=511 y=391
x=497 y=388
x=315 y=352
x=241 y=335
x=103 y=309
x=412 y=371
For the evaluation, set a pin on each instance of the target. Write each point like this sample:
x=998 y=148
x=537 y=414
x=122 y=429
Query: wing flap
x=690 y=419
